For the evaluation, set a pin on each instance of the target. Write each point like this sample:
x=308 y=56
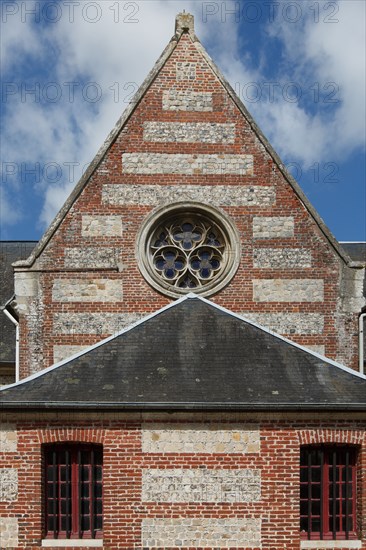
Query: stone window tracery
x=188 y=248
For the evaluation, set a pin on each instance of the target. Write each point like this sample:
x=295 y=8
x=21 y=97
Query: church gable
x=185 y=163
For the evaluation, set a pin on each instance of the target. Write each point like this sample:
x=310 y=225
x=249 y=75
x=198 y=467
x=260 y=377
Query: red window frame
x=73 y=493
x=328 y=492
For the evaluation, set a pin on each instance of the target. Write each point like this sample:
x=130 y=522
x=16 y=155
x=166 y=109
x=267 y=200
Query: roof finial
x=184 y=22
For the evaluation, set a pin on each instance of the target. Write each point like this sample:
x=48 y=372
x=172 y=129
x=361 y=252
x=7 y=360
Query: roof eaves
x=154 y=406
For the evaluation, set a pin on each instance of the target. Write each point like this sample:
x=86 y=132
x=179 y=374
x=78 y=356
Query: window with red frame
x=73 y=491
x=328 y=493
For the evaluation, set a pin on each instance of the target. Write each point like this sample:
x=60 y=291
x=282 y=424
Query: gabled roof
x=184 y=24
x=191 y=355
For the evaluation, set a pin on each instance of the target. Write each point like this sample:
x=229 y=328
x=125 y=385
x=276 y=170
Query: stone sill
x=76 y=543
x=318 y=544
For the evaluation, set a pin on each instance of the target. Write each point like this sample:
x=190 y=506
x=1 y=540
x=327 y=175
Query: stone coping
x=318 y=544
x=72 y=543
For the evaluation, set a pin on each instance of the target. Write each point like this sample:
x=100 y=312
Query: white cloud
x=332 y=53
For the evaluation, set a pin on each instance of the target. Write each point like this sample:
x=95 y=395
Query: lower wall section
x=215 y=533
x=174 y=481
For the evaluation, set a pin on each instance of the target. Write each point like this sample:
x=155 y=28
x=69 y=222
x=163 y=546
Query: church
x=189 y=368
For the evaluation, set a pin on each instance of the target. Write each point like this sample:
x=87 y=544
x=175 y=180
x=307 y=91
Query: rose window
x=187 y=253
x=188 y=247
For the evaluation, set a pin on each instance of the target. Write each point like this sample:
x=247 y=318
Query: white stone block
x=201 y=485
x=8 y=484
x=273 y=227
x=188 y=438
x=101 y=226
x=288 y=290
x=62 y=352
x=218 y=195
x=202 y=532
x=164 y=163
x=8 y=438
x=87 y=290
x=187 y=100
x=189 y=132
x=8 y=532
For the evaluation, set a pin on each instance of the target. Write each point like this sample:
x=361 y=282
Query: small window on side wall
x=73 y=491
x=328 y=492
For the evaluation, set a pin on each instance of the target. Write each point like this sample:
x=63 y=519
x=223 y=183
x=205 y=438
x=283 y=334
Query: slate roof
x=193 y=354
x=10 y=251
x=355 y=250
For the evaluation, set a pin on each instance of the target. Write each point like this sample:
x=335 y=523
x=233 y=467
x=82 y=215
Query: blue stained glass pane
x=196 y=236
x=215 y=264
x=160 y=264
x=205 y=273
x=187 y=245
x=169 y=273
x=178 y=236
x=196 y=264
x=212 y=240
x=187 y=227
x=169 y=255
x=205 y=255
x=187 y=283
x=178 y=265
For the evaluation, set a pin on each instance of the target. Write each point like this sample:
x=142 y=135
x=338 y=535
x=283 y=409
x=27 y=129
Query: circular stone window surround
x=200 y=213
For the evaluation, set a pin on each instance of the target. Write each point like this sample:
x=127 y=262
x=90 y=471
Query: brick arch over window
x=72 y=435
x=329 y=435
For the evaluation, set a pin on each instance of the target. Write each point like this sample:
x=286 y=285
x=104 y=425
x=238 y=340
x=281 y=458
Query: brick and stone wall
x=186 y=141
x=179 y=481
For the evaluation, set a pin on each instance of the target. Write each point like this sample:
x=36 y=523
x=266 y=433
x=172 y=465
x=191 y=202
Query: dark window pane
x=315 y=507
x=315 y=491
x=85 y=473
x=98 y=524
x=315 y=474
x=85 y=507
x=85 y=523
x=315 y=525
x=303 y=474
x=303 y=507
x=51 y=523
x=51 y=473
x=85 y=490
x=66 y=505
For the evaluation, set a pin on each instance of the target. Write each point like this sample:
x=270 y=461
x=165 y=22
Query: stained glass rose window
x=191 y=249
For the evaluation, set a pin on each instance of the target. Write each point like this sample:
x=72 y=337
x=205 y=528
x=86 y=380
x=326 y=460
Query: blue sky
x=69 y=69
